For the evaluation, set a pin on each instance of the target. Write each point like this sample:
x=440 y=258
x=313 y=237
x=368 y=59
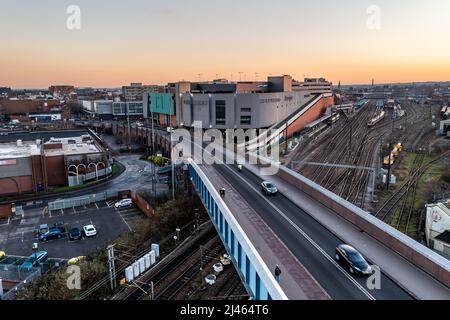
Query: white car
x=89 y=231
x=123 y=203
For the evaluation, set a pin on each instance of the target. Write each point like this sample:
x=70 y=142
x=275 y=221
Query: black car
x=353 y=260
x=75 y=234
x=52 y=233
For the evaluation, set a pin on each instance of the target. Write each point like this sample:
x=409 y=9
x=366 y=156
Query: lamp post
x=35 y=248
x=178 y=232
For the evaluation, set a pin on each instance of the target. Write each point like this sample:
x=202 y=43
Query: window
x=246 y=120
x=220 y=112
x=246 y=109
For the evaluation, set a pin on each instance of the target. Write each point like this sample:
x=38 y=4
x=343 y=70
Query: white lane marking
x=123 y=219
x=310 y=240
x=96 y=205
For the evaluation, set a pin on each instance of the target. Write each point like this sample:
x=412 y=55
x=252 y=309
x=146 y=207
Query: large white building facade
x=246 y=105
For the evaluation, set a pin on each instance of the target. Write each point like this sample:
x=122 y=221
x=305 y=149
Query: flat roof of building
x=13 y=151
x=69 y=146
x=41 y=135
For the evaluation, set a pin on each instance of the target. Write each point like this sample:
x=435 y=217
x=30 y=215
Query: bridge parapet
x=413 y=251
x=257 y=276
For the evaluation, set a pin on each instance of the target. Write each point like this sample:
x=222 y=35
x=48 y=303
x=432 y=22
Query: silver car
x=268 y=188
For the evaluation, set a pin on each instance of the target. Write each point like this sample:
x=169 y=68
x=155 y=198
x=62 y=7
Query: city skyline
x=167 y=42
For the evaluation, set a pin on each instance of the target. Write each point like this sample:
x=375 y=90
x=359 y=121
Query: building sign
x=270 y=100
x=197 y=102
x=8 y=162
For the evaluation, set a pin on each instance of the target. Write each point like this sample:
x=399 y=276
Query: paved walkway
x=297 y=283
x=414 y=280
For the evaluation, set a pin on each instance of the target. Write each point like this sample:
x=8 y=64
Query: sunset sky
x=165 y=41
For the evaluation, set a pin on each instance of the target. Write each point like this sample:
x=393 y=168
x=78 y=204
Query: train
x=394 y=154
x=359 y=104
x=334 y=118
x=376 y=119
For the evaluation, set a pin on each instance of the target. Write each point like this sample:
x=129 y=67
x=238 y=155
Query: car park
x=89 y=231
x=269 y=188
x=75 y=234
x=352 y=259
x=52 y=233
x=34 y=259
x=124 y=203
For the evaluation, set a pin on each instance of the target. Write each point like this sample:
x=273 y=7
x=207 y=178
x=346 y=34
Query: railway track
x=418 y=169
x=166 y=270
x=170 y=291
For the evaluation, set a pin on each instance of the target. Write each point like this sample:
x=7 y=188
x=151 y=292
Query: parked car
x=124 y=203
x=52 y=233
x=268 y=188
x=75 y=260
x=60 y=226
x=75 y=234
x=43 y=228
x=89 y=231
x=353 y=260
x=34 y=259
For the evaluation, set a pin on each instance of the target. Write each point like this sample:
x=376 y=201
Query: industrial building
x=36 y=165
x=437 y=226
x=108 y=109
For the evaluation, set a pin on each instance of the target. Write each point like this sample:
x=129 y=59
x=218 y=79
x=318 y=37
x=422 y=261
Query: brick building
x=33 y=166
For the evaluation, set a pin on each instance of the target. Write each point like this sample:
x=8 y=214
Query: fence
x=81 y=201
x=14 y=273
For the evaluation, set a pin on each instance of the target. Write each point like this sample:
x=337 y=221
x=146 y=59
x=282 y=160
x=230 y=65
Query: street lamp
x=175 y=238
x=178 y=232
x=35 y=248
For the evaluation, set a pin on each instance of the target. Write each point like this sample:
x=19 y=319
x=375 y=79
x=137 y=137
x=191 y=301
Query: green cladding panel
x=162 y=103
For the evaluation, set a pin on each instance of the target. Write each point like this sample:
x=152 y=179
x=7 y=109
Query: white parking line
x=74 y=210
x=123 y=219
x=96 y=204
x=309 y=239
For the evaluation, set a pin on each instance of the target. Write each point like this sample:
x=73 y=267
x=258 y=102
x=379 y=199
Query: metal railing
x=81 y=201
